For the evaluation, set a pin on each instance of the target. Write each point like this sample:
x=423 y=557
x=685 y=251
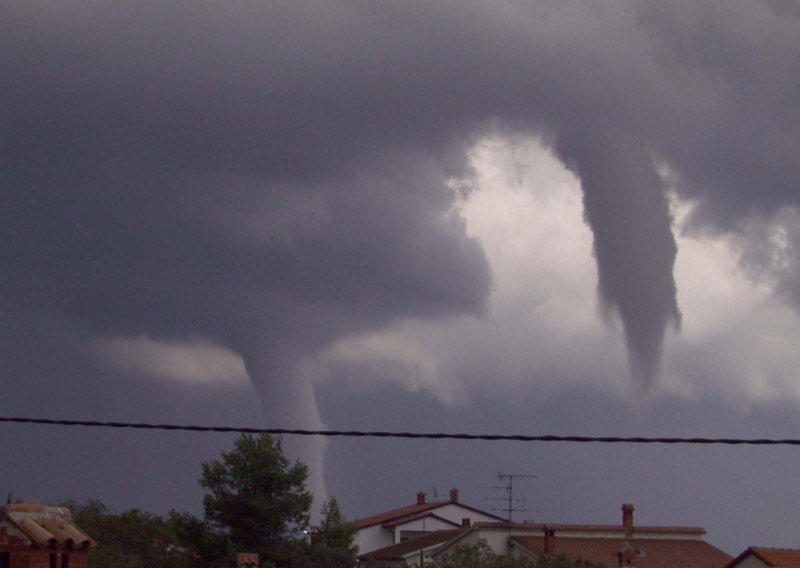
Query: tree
x=257 y=497
x=210 y=547
x=481 y=556
x=132 y=539
x=333 y=531
x=560 y=561
x=477 y=556
x=331 y=543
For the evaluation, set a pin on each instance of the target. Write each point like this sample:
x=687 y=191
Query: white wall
x=425 y=524
x=751 y=562
x=373 y=538
x=455 y=512
x=13 y=531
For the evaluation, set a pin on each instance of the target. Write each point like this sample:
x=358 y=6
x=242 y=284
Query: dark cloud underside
x=273 y=176
x=204 y=168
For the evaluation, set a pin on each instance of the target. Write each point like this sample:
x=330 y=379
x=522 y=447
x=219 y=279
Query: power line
x=412 y=435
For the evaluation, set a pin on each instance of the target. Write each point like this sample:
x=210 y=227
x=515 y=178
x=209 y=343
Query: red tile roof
x=410 y=512
x=777 y=557
x=422 y=515
x=660 y=529
x=652 y=552
x=46 y=526
x=396 y=514
x=528 y=525
x=397 y=551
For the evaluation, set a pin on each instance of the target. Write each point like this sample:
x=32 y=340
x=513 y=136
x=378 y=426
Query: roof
x=778 y=557
x=605 y=533
x=660 y=529
x=46 y=526
x=641 y=529
x=397 y=514
x=652 y=552
x=411 y=512
x=423 y=515
x=399 y=550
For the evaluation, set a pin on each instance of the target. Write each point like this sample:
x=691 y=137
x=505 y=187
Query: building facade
x=612 y=545
x=418 y=519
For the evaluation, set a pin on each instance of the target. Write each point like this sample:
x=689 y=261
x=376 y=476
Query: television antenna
x=507 y=480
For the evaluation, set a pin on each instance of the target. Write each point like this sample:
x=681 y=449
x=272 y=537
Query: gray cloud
x=272 y=177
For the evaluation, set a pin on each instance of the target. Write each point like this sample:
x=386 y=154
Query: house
x=418 y=519
x=413 y=552
x=33 y=535
x=611 y=545
x=759 y=557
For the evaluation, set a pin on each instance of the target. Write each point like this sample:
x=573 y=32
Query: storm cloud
x=276 y=178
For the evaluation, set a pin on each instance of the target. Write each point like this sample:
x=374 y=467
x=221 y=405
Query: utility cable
x=411 y=435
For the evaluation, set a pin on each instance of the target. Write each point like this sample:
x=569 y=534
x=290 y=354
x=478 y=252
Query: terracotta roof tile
x=529 y=525
x=504 y=525
x=46 y=526
x=777 y=557
x=397 y=551
x=396 y=514
x=637 y=528
x=783 y=557
x=403 y=514
x=653 y=552
x=422 y=515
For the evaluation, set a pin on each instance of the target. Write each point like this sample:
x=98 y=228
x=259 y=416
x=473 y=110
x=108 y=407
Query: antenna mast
x=508 y=486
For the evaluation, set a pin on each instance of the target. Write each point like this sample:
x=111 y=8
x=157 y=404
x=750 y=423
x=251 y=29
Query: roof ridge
x=416 y=516
x=404 y=511
x=778 y=548
x=592 y=527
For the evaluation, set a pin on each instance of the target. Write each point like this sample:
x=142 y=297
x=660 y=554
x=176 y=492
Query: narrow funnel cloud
x=288 y=400
x=627 y=209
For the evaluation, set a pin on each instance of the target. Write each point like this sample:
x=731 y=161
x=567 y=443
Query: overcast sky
x=554 y=217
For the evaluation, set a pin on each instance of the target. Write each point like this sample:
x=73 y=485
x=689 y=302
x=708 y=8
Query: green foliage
x=563 y=562
x=482 y=556
x=333 y=531
x=257 y=498
x=132 y=539
x=321 y=556
x=209 y=546
x=331 y=543
x=477 y=556
x=256 y=501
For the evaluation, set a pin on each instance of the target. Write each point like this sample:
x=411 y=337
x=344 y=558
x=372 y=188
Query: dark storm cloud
x=273 y=176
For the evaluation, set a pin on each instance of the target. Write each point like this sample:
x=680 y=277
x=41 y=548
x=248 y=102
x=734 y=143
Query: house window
x=64 y=561
x=53 y=561
x=5 y=560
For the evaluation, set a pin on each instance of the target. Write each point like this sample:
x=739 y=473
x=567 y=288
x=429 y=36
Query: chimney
x=465 y=522
x=627 y=518
x=420 y=497
x=549 y=540
x=454 y=495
